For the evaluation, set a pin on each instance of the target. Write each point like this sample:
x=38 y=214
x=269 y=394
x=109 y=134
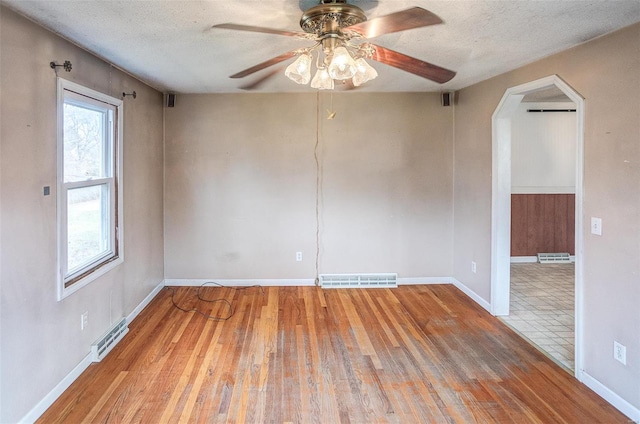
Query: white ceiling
x=171 y=45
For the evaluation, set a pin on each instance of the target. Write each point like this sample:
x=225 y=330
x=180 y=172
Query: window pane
x=85 y=143
x=87 y=225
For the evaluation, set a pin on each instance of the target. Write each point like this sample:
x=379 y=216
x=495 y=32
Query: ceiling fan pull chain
x=331 y=112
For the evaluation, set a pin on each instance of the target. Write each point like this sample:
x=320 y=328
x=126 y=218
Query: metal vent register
x=104 y=344
x=554 y=258
x=336 y=281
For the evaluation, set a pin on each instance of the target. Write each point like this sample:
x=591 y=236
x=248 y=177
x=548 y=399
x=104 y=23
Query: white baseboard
x=473 y=295
x=54 y=394
x=610 y=396
x=524 y=259
x=532 y=259
x=136 y=311
x=180 y=282
x=406 y=281
x=63 y=385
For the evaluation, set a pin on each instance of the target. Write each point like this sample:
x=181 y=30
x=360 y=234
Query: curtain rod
x=551 y=110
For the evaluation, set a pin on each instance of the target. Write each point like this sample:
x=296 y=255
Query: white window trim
x=118 y=216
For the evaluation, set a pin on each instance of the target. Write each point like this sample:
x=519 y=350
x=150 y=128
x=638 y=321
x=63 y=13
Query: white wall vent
x=336 y=281
x=104 y=344
x=554 y=258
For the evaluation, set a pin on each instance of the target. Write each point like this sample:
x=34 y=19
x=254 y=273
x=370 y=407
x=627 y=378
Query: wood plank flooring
x=306 y=355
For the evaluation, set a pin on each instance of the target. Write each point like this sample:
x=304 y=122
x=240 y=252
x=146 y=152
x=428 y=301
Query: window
x=89 y=191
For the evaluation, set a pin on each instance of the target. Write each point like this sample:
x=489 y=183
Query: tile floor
x=542 y=308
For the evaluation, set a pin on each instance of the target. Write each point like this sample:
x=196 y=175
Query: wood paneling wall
x=542 y=223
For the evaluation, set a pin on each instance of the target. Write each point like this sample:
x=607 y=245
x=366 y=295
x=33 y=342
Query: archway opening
x=501 y=197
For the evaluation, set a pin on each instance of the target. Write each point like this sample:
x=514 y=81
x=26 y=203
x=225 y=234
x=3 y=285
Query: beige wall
x=239 y=196
x=41 y=340
x=241 y=184
x=606 y=72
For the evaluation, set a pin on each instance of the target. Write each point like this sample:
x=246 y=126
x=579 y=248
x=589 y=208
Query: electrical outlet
x=84 y=320
x=473 y=267
x=299 y=256
x=620 y=352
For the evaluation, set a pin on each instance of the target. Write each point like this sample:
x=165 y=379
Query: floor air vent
x=554 y=258
x=337 y=281
x=104 y=344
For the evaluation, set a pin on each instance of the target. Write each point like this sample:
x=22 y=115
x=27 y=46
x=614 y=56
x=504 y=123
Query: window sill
x=64 y=292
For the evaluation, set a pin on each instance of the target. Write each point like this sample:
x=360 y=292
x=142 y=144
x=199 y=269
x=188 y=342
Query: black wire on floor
x=218 y=300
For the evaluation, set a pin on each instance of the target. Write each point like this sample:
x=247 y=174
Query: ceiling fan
x=341 y=32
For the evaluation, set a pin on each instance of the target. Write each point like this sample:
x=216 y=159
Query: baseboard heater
x=344 y=281
x=104 y=344
x=554 y=258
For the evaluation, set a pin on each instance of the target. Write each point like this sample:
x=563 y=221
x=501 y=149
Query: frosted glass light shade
x=322 y=80
x=342 y=65
x=364 y=73
x=300 y=70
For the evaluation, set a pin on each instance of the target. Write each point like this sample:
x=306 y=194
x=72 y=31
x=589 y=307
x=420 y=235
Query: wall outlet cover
x=620 y=352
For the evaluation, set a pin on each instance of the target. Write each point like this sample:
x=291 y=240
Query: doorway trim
x=501 y=200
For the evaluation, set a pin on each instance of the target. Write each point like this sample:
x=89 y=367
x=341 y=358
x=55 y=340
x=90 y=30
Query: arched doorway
x=501 y=198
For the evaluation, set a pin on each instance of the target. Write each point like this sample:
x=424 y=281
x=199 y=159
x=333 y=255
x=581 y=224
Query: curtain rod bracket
x=129 y=94
x=66 y=65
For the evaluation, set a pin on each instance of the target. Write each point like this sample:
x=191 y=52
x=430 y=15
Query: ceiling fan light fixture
x=339 y=28
x=342 y=66
x=364 y=72
x=322 y=80
x=300 y=70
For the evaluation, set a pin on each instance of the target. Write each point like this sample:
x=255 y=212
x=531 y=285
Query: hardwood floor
x=303 y=354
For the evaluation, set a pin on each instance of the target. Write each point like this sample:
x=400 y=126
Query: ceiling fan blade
x=265 y=64
x=258 y=82
x=264 y=30
x=412 y=65
x=415 y=17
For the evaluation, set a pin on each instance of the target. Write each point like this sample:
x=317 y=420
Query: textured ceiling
x=551 y=94
x=171 y=45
